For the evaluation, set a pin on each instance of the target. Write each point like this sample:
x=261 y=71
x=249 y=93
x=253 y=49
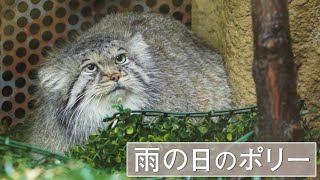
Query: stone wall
x=227 y=26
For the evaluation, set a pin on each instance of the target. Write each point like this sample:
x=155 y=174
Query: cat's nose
x=115 y=77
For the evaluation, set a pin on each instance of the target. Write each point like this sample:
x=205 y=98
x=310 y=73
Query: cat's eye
x=91 y=67
x=120 y=59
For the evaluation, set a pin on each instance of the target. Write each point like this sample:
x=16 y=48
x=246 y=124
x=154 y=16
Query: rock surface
x=227 y=26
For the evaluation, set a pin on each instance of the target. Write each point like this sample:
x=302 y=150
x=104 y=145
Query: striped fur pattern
x=150 y=61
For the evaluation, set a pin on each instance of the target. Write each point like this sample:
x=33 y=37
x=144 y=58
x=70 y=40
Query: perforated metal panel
x=30 y=28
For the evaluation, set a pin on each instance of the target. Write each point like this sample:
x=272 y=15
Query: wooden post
x=275 y=73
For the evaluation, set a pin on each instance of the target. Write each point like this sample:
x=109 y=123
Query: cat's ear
x=137 y=43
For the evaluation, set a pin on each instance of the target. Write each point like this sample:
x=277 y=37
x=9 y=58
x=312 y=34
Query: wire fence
x=6 y=141
x=209 y=114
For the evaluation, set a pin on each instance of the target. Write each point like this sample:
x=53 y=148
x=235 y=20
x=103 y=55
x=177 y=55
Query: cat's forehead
x=103 y=53
x=98 y=45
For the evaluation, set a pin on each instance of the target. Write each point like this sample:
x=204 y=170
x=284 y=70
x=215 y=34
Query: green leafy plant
x=104 y=154
x=17 y=162
x=107 y=148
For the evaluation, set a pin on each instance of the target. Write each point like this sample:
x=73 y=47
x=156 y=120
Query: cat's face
x=108 y=72
x=93 y=73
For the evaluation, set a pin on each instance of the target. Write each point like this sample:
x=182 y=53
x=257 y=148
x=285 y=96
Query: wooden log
x=275 y=73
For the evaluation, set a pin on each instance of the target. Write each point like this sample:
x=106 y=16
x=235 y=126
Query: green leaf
x=93 y=136
x=229 y=137
x=127 y=111
x=158 y=139
x=118 y=158
x=151 y=137
x=119 y=100
x=114 y=143
x=175 y=126
x=167 y=137
x=230 y=127
x=203 y=129
x=143 y=139
x=100 y=146
x=130 y=130
x=115 y=106
x=166 y=125
x=7 y=141
x=183 y=133
x=116 y=130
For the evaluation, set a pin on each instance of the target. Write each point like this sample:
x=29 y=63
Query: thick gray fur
x=167 y=68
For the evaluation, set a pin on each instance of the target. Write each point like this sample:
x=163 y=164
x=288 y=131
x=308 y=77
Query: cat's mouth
x=116 y=87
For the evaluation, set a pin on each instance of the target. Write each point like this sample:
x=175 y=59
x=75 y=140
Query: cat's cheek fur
x=53 y=80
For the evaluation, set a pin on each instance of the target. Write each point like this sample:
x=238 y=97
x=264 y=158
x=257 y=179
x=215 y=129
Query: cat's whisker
x=69 y=121
x=81 y=110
